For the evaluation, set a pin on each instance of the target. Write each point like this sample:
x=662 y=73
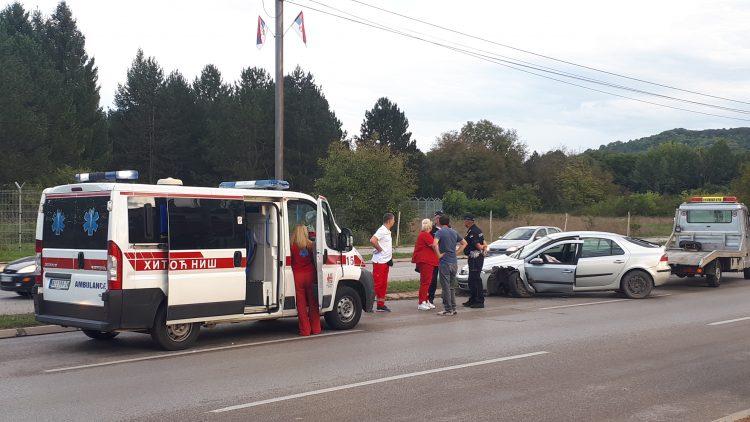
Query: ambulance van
x=168 y=259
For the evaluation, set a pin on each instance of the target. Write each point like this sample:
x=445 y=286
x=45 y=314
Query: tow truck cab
x=710 y=236
x=167 y=259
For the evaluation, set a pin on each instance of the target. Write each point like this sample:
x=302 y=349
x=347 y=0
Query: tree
x=583 y=183
x=363 y=184
x=310 y=127
x=482 y=160
x=544 y=172
x=136 y=120
x=668 y=168
x=719 y=164
x=741 y=185
x=387 y=125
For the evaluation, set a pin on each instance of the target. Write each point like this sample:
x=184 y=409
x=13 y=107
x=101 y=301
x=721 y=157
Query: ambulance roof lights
x=107 y=176
x=714 y=199
x=169 y=181
x=271 y=184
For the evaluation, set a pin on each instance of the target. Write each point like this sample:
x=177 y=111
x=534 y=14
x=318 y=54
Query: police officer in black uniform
x=475 y=251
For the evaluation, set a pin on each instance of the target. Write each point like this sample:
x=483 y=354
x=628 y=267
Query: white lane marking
x=375 y=381
x=596 y=303
x=192 y=352
x=729 y=321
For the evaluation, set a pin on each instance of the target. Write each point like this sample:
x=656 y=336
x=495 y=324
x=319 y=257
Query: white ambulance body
x=167 y=259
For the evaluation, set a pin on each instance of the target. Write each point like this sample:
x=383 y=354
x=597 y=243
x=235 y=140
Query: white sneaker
x=423 y=306
x=430 y=305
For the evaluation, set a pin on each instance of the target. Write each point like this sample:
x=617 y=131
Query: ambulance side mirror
x=346 y=240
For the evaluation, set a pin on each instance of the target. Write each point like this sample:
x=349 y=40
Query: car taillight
x=664 y=258
x=38 y=262
x=114 y=266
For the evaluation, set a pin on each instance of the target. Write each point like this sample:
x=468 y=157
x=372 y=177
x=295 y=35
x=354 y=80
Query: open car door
x=328 y=258
x=553 y=269
x=206 y=265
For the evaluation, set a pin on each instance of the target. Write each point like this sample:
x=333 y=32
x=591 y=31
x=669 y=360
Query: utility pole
x=279 y=132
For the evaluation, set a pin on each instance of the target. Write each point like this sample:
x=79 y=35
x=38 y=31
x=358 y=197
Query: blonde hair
x=301 y=237
x=426 y=225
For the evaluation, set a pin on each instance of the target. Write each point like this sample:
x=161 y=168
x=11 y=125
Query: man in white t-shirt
x=382 y=258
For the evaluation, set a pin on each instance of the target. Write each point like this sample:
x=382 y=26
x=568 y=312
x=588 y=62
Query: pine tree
x=387 y=125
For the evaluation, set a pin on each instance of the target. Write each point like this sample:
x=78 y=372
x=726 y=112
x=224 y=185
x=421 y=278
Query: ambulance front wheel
x=173 y=336
x=347 y=309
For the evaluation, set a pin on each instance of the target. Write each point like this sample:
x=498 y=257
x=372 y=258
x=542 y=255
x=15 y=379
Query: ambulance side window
x=147 y=220
x=197 y=223
x=302 y=212
x=330 y=228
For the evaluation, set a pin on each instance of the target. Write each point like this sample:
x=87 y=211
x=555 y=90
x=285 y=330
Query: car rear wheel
x=637 y=284
x=516 y=286
x=101 y=335
x=713 y=277
x=347 y=309
x=173 y=336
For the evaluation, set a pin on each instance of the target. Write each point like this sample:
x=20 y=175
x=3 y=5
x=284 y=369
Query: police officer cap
x=469 y=217
x=438 y=213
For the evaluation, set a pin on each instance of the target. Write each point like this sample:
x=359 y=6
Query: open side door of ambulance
x=328 y=258
x=207 y=258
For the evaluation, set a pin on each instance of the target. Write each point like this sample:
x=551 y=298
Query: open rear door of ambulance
x=207 y=258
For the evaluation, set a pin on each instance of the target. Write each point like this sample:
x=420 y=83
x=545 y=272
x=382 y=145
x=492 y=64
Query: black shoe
x=468 y=304
x=477 y=305
x=382 y=309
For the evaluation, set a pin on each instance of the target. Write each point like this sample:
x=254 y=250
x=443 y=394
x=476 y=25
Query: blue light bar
x=109 y=176
x=257 y=184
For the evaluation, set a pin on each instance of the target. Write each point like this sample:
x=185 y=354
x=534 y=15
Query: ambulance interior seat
x=262 y=254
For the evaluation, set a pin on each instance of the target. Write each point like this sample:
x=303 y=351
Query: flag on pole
x=299 y=27
x=261 y=35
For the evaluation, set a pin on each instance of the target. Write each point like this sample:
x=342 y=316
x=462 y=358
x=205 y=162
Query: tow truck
x=710 y=237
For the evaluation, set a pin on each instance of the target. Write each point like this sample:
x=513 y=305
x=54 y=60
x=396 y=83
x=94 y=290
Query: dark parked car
x=18 y=276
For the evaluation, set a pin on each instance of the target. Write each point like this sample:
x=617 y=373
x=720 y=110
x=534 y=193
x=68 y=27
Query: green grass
x=403 y=286
x=396 y=255
x=12 y=252
x=17 y=321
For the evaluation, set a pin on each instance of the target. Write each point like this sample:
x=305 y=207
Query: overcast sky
x=697 y=45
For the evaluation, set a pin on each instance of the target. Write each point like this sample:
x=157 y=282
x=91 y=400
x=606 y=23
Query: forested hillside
x=736 y=138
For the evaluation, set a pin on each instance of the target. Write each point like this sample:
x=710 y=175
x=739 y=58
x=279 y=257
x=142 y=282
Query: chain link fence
x=425 y=207
x=18 y=212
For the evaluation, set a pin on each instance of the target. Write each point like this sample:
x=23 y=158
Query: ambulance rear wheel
x=100 y=335
x=347 y=309
x=173 y=336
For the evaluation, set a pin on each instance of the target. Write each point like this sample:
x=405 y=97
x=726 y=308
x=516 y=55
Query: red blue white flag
x=261 y=35
x=299 y=27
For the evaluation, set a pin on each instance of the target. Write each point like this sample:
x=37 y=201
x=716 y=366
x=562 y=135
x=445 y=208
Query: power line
x=557 y=72
x=501 y=62
x=545 y=56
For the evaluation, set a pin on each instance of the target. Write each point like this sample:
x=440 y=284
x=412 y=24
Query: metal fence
x=18 y=212
x=425 y=207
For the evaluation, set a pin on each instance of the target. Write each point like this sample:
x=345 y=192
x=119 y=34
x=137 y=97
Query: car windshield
x=518 y=234
x=531 y=247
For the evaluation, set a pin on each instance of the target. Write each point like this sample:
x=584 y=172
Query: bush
x=456 y=203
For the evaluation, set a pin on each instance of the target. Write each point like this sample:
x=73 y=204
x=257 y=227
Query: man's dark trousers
x=476 y=289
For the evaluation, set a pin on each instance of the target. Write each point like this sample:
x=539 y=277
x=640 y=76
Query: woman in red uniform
x=426 y=258
x=303 y=267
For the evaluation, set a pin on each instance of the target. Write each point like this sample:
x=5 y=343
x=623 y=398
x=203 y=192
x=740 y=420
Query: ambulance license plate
x=57 y=284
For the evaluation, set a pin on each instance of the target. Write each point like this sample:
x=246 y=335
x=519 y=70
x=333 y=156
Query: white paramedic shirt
x=386 y=244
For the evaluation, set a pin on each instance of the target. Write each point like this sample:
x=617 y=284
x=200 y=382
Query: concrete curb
x=735 y=416
x=34 y=331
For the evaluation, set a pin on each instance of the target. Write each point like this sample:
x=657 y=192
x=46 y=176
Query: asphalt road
x=402 y=271
x=11 y=303
x=587 y=357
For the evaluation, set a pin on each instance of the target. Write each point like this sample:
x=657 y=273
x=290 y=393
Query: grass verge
x=11 y=253
x=396 y=255
x=403 y=286
x=17 y=321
